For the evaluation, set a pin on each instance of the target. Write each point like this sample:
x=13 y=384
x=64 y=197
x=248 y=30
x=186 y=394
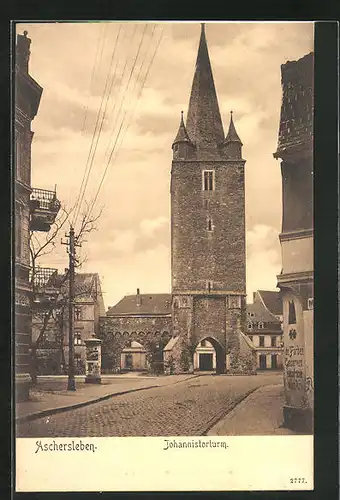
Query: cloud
x=71 y=62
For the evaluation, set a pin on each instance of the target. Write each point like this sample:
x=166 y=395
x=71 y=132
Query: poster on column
x=139 y=225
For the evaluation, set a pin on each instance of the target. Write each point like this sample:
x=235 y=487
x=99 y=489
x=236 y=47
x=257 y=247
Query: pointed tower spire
x=232 y=143
x=182 y=135
x=232 y=135
x=204 y=124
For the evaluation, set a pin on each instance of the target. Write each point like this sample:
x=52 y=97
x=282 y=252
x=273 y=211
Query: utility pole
x=71 y=243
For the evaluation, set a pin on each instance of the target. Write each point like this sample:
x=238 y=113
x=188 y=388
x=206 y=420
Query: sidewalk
x=260 y=413
x=53 y=396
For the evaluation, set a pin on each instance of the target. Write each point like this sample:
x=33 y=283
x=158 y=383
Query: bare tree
x=44 y=315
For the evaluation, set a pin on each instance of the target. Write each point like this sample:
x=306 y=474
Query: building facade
x=53 y=346
x=295 y=150
x=135 y=331
x=34 y=210
x=264 y=329
x=208 y=260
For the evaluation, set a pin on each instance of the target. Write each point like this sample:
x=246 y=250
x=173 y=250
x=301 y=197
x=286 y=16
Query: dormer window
x=260 y=325
x=208 y=180
x=250 y=325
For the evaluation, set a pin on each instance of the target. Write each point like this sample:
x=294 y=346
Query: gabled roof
x=172 y=342
x=259 y=309
x=272 y=301
x=150 y=304
x=259 y=313
x=85 y=285
x=204 y=124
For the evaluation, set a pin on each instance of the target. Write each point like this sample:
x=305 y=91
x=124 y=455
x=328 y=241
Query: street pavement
x=189 y=407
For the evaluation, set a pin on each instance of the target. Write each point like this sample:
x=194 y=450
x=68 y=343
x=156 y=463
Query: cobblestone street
x=188 y=408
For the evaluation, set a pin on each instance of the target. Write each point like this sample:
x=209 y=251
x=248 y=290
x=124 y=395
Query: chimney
x=139 y=299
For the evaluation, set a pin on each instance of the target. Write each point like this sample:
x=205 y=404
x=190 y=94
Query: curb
x=223 y=414
x=61 y=409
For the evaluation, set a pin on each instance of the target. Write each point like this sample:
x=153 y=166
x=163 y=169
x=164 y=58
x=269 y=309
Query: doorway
x=263 y=362
x=206 y=362
x=274 y=361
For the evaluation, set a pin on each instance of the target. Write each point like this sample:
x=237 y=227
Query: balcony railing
x=44 y=207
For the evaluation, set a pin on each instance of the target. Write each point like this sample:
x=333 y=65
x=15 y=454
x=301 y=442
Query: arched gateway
x=209 y=356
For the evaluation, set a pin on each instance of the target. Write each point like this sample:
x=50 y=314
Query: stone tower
x=208 y=228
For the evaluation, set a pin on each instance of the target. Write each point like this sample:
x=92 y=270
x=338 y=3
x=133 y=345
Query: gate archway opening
x=209 y=356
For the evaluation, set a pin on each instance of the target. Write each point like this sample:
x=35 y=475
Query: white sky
x=131 y=247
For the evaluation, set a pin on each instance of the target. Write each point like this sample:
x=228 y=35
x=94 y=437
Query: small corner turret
x=232 y=144
x=182 y=145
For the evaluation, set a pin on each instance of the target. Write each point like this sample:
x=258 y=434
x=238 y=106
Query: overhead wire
x=122 y=122
x=96 y=133
x=100 y=45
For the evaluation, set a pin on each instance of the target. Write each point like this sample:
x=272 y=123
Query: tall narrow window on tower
x=210 y=228
x=208 y=180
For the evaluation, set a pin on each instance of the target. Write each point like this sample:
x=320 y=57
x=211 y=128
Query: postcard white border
x=245 y=463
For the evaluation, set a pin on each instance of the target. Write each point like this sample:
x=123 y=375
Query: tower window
x=210 y=225
x=209 y=285
x=208 y=180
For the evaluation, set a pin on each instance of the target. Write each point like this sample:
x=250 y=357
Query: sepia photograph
x=163 y=196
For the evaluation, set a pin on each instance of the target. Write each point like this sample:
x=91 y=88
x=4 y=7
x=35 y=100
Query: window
x=210 y=225
x=77 y=338
x=273 y=342
x=291 y=313
x=209 y=285
x=250 y=314
x=208 y=180
x=310 y=303
x=77 y=360
x=77 y=313
x=250 y=325
x=260 y=325
x=261 y=338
